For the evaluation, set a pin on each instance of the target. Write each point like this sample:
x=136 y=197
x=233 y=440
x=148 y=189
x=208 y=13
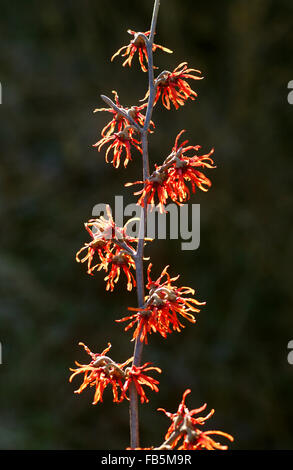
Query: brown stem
x=133 y=408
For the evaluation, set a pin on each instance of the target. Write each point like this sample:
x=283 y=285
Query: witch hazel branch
x=163 y=307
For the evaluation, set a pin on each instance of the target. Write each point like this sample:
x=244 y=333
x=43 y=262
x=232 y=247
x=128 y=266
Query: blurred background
x=54 y=64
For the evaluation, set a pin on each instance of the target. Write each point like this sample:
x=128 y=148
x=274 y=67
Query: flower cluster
x=163 y=307
x=169 y=179
x=138 y=44
x=103 y=371
x=185 y=430
x=119 y=134
x=110 y=249
x=172 y=87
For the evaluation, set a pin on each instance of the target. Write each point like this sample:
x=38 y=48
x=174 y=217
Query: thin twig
x=121 y=111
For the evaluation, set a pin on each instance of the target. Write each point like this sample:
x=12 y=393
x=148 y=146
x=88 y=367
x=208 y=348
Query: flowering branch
x=111 y=249
x=133 y=410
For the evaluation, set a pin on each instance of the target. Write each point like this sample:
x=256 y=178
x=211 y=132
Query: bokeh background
x=54 y=64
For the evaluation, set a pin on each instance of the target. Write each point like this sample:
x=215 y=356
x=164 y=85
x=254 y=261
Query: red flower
x=172 y=87
x=137 y=376
x=169 y=179
x=111 y=247
x=100 y=373
x=185 y=168
x=119 y=141
x=119 y=122
x=137 y=44
x=103 y=371
x=120 y=259
x=162 y=307
x=201 y=440
x=102 y=232
x=157 y=185
x=185 y=426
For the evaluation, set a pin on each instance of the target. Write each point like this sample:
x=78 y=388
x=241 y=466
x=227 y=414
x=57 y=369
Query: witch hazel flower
x=120 y=260
x=138 y=44
x=99 y=373
x=184 y=168
x=110 y=249
x=172 y=87
x=164 y=306
x=170 y=179
x=137 y=375
x=119 y=121
x=120 y=142
x=103 y=371
x=186 y=429
x=155 y=188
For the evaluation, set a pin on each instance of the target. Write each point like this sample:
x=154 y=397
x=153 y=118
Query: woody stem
x=121 y=111
x=133 y=409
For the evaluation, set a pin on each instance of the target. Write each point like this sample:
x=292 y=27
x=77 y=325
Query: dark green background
x=54 y=64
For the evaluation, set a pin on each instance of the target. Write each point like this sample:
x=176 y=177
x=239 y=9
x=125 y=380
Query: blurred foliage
x=54 y=64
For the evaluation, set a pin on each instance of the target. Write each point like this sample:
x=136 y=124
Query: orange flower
x=103 y=371
x=202 y=441
x=111 y=247
x=119 y=122
x=137 y=44
x=172 y=87
x=162 y=307
x=169 y=179
x=185 y=168
x=120 y=141
x=157 y=185
x=185 y=426
x=120 y=259
x=100 y=373
x=137 y=376
x=102 y=232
